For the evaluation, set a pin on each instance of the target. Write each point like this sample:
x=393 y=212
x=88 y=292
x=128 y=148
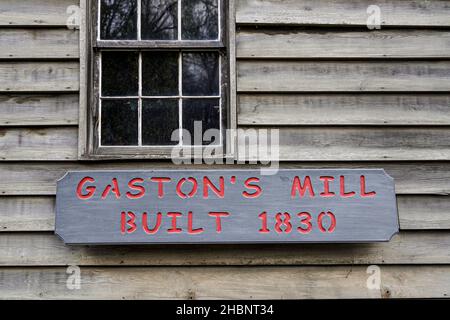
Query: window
x=157 y=76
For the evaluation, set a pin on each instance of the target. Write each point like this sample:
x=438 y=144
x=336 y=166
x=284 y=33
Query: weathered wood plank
x=45 y=249
x=38 y=110
x=40 y=178
x=37 y=213
x=344 y=109
x=299 y=43
x=342 y=12
x=39 y=76
x=226 y=283
x=39 y=43
x=349 y=143
x=36 y=12
x=57 y=143
x=343 y=76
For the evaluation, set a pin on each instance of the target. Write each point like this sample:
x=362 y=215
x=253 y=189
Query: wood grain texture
x=39 y=76
x=343 y=76
x=38 y=109
x=36 y=12
x=347 y=143
x=37 y=213
x=46 y=249
x=226 y=283
x=317 y=44
x=57 y=143
x=39 y=43
x=40 y=178
x=344 y=109
x=342 y=12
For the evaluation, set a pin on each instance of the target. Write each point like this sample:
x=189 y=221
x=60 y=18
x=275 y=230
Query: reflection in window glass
x=160 y=73
x=120 y=73
x=200 y=20
x=119 y=123
x=205 y=110
x=159 y=20
x=201 y=74
x=118 y=19
x=159 y=121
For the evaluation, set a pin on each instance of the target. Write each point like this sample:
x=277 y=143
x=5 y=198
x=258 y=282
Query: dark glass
x=160 y=73
x=201 y=74
x=200 y=20
x=119 y=122
x=205 y=110
x=159 y=20
x=159 y=120
x=120 y=73
x=118 y=20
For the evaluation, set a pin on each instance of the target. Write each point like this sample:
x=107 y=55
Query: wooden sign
x=226 y=206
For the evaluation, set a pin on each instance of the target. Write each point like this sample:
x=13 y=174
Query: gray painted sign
x=226 y=206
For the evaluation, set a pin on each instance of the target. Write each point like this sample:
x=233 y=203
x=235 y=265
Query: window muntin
x=171 y=71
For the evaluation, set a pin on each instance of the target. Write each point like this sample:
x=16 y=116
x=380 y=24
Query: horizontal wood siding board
x=314 y=44
x=57 y=143
x=36 y=12
x=39 y=43
x=38 y=109
x=32 y=178
x=342 y=12
x=409 y=247
x=344 y=109
x=350 y=143
x=226 y=283
x=39 y=76
x=37 y=213
x=343 y=76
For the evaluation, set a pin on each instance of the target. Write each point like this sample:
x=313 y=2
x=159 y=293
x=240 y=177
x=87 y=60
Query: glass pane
x=159 y=20
x=205 y=110
x=119 y=121
x=118 y=19
x=159 y=120
x=201 y=74
x=120 y=73
x=160 y=73
x=200 y=20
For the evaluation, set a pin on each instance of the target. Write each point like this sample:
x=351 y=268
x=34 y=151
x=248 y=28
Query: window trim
x=88 y=139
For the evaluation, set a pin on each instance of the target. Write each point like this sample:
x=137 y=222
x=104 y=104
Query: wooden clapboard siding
x=343 y=76
x=38 y=110
x=344 y=109
x=37 y=213
x=351 y=144
x=39 y=76
x=316 y=44
x=342 y=12
x=36 y=12
x=45 y=249
x=58 y=143
x=39 y=43
x=226 y=283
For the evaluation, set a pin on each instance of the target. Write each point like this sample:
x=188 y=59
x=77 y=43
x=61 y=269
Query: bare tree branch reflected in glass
x=118 y=19
x=201 y=73
x=200 y=20
x=159 y=19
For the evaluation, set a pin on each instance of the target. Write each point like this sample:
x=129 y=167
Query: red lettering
x=305 y=219
x=114 y=188
x=264 y=228
x=297 y=185
x=157 y=224
x=90 y=189
x=283 y=219
x=249 y=184
x=174 y=216
x=193 y=192
x=191 y=229
x=332 y=226
x=128 y=222
x=160 y=182
x=363 y=189
x=134 y=186
x=208 y=184
x=342 y=191
x=326 y=187
x=218 y=216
